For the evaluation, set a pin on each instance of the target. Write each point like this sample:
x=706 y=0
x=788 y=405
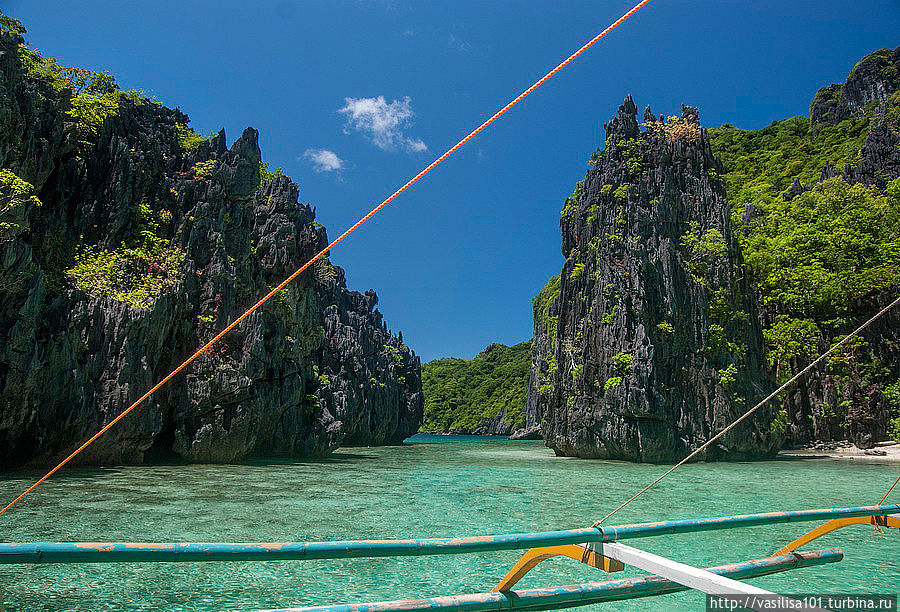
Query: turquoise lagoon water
x=432 y=486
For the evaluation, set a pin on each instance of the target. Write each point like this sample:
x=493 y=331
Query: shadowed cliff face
x=142 y=247
x=649 y=341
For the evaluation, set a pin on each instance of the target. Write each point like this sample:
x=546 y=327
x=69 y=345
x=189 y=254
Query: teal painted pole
x=102 y=552
x=105 y=552
x=582 y=594
x=643 y=530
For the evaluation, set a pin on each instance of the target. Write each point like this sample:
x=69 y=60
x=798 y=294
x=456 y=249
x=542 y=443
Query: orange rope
x=334 y=243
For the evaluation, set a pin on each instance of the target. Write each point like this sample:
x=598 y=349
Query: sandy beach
x=891 y=453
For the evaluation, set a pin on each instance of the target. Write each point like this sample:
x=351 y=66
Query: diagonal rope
x=334 y=243
x=744 y=416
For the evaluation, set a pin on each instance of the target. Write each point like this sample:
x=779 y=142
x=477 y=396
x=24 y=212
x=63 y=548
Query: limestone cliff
x=649 y=340
x=127 y=241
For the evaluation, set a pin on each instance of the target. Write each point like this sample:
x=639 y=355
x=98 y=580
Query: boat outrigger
x=600 y=547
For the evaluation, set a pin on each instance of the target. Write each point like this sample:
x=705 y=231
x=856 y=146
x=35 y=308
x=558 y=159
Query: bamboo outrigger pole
x=105 y=552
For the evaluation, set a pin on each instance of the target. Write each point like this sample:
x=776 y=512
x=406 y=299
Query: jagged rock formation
x=147 y=240
x=872 y=89
x=649 y=340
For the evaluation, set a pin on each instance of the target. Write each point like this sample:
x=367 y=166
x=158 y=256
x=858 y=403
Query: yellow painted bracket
x=818 y=532
x=585 y=553
x=580 y=552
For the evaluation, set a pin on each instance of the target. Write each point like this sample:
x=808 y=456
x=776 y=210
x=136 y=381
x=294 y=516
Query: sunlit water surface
x=430 y=487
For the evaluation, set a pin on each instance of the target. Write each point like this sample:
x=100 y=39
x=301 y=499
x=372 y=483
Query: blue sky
x=353 y=97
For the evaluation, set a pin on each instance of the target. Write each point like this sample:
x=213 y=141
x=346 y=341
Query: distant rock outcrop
x=871 y=82
x=129 y=242
x=649 y=340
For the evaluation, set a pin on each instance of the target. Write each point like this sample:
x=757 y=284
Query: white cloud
x=382 y=122
x=324 y=160
x=416 y=145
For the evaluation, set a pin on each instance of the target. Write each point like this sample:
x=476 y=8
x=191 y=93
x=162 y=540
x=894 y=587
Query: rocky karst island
x=706 y=266
x=129 y=240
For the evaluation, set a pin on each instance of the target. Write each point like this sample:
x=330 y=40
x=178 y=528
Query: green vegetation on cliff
x=817 y=252
x=134 y=276
x=466 y=396
x=815 y=248
x=813 y=253
x=135 y=273
x=95 y=95
x=761 y=164
x=15 y=194
x=542 y=304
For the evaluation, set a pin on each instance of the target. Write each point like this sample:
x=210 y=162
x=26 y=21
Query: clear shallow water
x=431 y=487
